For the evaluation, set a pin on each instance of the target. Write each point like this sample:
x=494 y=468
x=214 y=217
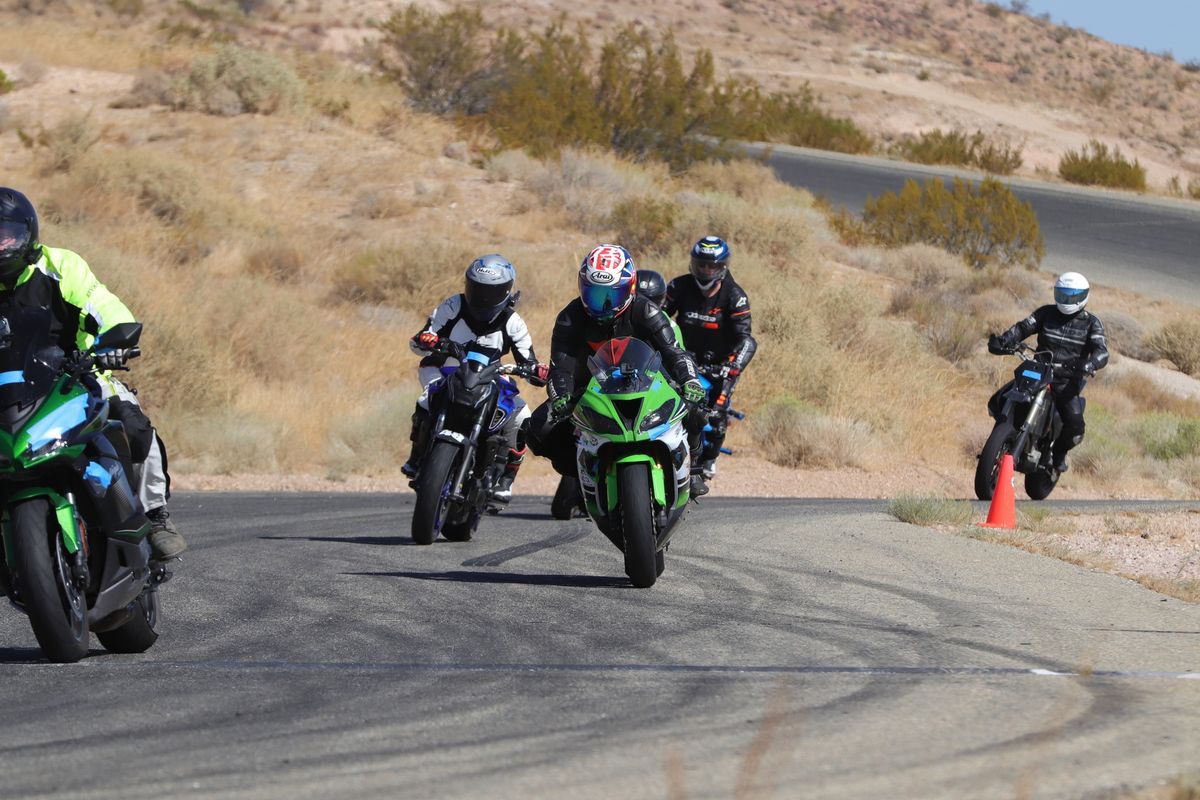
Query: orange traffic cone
x=1003 y=511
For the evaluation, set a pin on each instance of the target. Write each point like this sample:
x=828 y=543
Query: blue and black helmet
x=710 y=261
x=489 y=286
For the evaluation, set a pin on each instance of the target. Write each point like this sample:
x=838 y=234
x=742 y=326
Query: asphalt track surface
x=1149 y=245
x=793 y=648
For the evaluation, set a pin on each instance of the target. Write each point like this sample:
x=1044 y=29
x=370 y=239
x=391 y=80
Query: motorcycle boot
x=420 y=443
x=502 y=491
x=165 y=541
x=708 y=468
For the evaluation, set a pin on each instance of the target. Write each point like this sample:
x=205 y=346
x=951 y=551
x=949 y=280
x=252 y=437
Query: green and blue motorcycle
x=632 y=454
x=75 y=558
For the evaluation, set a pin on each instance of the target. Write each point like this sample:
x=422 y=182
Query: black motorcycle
x=469 y=406
x=1027 y=423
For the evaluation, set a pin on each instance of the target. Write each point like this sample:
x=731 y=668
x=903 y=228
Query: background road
x=792 y=648
x=1150 y=245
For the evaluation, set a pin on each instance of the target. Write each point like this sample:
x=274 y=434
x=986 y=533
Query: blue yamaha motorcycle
x=469 y=406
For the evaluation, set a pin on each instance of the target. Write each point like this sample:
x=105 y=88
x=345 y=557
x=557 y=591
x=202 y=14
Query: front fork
x=1033 y=422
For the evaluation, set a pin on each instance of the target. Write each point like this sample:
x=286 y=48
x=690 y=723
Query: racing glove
x=560 y=406
x=541 y=375
x=426 y=340
x=111 y=359
x=693 y=392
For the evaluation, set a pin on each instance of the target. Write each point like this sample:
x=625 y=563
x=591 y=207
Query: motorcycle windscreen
x=30 y=361
x=625 y=366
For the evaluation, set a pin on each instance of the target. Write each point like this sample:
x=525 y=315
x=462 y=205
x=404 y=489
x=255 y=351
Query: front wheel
x=140 y=632
x=987 y=471
x=433 y=489
x=1040 y=483
x=57 y=609
x=637 y=523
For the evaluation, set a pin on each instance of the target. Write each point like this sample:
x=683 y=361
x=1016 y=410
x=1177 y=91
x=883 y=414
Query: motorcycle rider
x=653 y=287
x=1075 y=337
x=608 y=307
x=33 y=274
x=713 y=312
x=484 y=314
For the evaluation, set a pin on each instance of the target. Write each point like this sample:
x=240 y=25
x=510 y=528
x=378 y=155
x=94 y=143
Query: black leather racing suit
x=576 y=337
x=1074 y=339
x=716 y=330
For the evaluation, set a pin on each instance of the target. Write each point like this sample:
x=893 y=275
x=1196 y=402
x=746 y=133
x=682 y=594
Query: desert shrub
x=1126 y=336
x=1095 y=165
x=1165 y=436
x=404 y=276
x=927 y=511
x=279 y=261
x=6 y=84
x=1179 y=342
x=587 y=184
x=62 y=146
x=127 y=8
x=792 y=433
x=1193 y=188
x=446 y=63
x=644 y=224
x=236 y=80
x=984 y=224
x=960 y=148
x=633 y=93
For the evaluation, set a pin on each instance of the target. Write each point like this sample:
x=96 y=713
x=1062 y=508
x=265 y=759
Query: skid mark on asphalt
x=509 y=553
x=749 y=669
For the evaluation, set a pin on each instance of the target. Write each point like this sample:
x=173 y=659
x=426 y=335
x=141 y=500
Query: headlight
x=658 y=416
x=595 y=421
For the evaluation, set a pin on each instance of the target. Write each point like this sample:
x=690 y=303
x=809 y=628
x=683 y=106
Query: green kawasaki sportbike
x=75 y=556
x=632 y=453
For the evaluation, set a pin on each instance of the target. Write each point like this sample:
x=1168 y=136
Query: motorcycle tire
x=637 y=524
x=566 y=498
x=429 y=512
x=987 y=470
x=460 y=531
x=1040 y=483
x=138 y=634
x=57 y=610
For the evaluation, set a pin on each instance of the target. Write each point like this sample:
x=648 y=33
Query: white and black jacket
x=507 y=333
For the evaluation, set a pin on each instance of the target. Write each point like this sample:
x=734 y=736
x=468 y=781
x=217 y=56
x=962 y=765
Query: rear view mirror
x=119 y=337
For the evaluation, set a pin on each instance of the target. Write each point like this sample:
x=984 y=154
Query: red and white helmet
x=607 y=282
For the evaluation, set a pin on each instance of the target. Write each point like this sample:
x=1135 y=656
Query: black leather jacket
x=714 y=328
x=577 y=336
x=1076 y=338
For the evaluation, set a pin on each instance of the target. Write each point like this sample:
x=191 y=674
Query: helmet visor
x=486 y=299
x=14 y=238
x=1067 y=296
x=604 y=301
x=708 y=271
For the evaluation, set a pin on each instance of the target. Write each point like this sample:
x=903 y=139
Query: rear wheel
x=57 y=609
x=1040 y=483
x=637 y=523
x=987 y=470
x=433 y=489
x=140 y=632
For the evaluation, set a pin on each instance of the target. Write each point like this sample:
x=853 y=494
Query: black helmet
x=710 y=261
x=18 y=233
x=651 y=286
x=489 y=286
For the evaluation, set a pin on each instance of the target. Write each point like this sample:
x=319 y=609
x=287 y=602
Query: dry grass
x=930 y=511
x=281 y=261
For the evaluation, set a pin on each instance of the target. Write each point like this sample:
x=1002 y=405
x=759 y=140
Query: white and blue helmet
x=489 y=286
x=1071 y=292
